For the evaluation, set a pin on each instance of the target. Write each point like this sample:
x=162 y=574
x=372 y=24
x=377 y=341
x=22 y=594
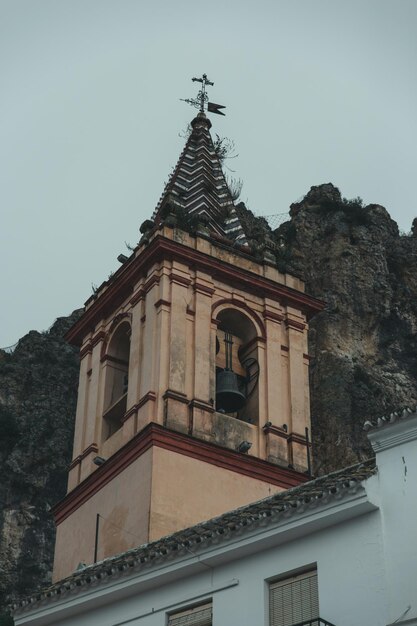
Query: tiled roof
x=396 y=416
x=284 y=503
x=197 y=185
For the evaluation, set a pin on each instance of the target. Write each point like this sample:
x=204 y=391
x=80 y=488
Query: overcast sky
x=316 y=91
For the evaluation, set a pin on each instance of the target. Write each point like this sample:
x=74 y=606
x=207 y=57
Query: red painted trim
x=176 y=395
x=241 y=305
x=74 y=462
x=156 y=435
x=179 y=280
x=113 y=359
x=117 y=319
x=100 y=336
x=275 y=430
x=162 y=248
x=296 y=438
x=200 y=288
x=291 y=437
x=88 y=348
x=271 y=315
x=91 y=448
x=153 y=280
x=150 y=396
x=139 y=295
x=162 y=302
x=201 y=404
x=294 y=324
x=133 y=409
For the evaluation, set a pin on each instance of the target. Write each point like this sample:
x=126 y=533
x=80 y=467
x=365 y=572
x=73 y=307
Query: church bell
x=229 y=397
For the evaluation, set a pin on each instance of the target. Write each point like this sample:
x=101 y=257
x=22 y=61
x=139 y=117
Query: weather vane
x=201 y=102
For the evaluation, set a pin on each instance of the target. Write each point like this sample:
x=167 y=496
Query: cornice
x=91 y=448
x=162 y=248
x=161 y=437
x=294 y=324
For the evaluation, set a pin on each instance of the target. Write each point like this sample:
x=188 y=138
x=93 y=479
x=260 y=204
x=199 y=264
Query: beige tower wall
x=178 y=294
x=160 y=492
x=123 y=503
x=173 y=313
x=186 y=491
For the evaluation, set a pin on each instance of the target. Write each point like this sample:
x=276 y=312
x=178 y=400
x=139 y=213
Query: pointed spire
x=197 y=186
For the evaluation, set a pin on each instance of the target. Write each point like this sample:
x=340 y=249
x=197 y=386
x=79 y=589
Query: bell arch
x=238 y=335
x=116 y=373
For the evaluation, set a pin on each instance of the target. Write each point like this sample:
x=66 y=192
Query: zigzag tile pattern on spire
x=198 y=187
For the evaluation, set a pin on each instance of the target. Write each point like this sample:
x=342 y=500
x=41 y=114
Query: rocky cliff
x=364 y=345
x=364 y=365
x=38 y=390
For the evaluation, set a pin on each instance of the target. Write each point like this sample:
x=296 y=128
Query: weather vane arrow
x=214 y=108
x=201 y=101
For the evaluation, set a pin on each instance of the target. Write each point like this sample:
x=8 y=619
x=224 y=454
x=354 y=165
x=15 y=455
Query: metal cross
x=202 y=95
x=201 y=101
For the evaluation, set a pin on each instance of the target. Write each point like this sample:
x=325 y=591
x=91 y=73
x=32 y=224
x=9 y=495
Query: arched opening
x=116 y=379
x=237 y=366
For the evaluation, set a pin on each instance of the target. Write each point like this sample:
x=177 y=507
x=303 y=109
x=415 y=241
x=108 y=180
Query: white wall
x=396 y=447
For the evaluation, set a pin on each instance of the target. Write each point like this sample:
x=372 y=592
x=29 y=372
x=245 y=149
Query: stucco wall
x=398 y=476
x=186 y=491
x=124 y=506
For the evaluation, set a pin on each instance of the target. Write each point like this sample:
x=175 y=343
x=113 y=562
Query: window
x=294 y=600
x=116 y=379
x=197 y=616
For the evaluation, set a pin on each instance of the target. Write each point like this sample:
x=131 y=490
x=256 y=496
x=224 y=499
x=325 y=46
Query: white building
x=338 y=550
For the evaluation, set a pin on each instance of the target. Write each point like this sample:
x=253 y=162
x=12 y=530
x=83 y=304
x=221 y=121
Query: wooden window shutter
x=198 y=616
x=294 y=600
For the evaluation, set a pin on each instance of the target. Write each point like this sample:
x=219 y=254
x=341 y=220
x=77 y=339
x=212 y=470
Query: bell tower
x=193 y=393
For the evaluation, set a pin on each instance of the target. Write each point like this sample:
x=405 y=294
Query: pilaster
x=201 y=406
x=93 y=421
x=147 y=395
x=135 y=364
x=176 y=401
x=161 y=356
x=276 y=441
x=296 y=329
x=81 y=415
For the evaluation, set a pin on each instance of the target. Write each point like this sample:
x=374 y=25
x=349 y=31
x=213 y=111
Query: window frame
x=292 y=578
x=190 y=610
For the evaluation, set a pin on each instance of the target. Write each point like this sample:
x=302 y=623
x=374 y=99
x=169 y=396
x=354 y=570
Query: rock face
x=38 y=390
x=364 y=345
x=364 y=365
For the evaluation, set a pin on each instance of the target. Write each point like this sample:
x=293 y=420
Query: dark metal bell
x=228 y=395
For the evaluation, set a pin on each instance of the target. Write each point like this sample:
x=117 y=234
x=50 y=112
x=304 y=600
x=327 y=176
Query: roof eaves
x=395 y=416
x=284 y=503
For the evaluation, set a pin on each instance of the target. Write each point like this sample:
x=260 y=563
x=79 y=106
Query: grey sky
x=316 y=91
